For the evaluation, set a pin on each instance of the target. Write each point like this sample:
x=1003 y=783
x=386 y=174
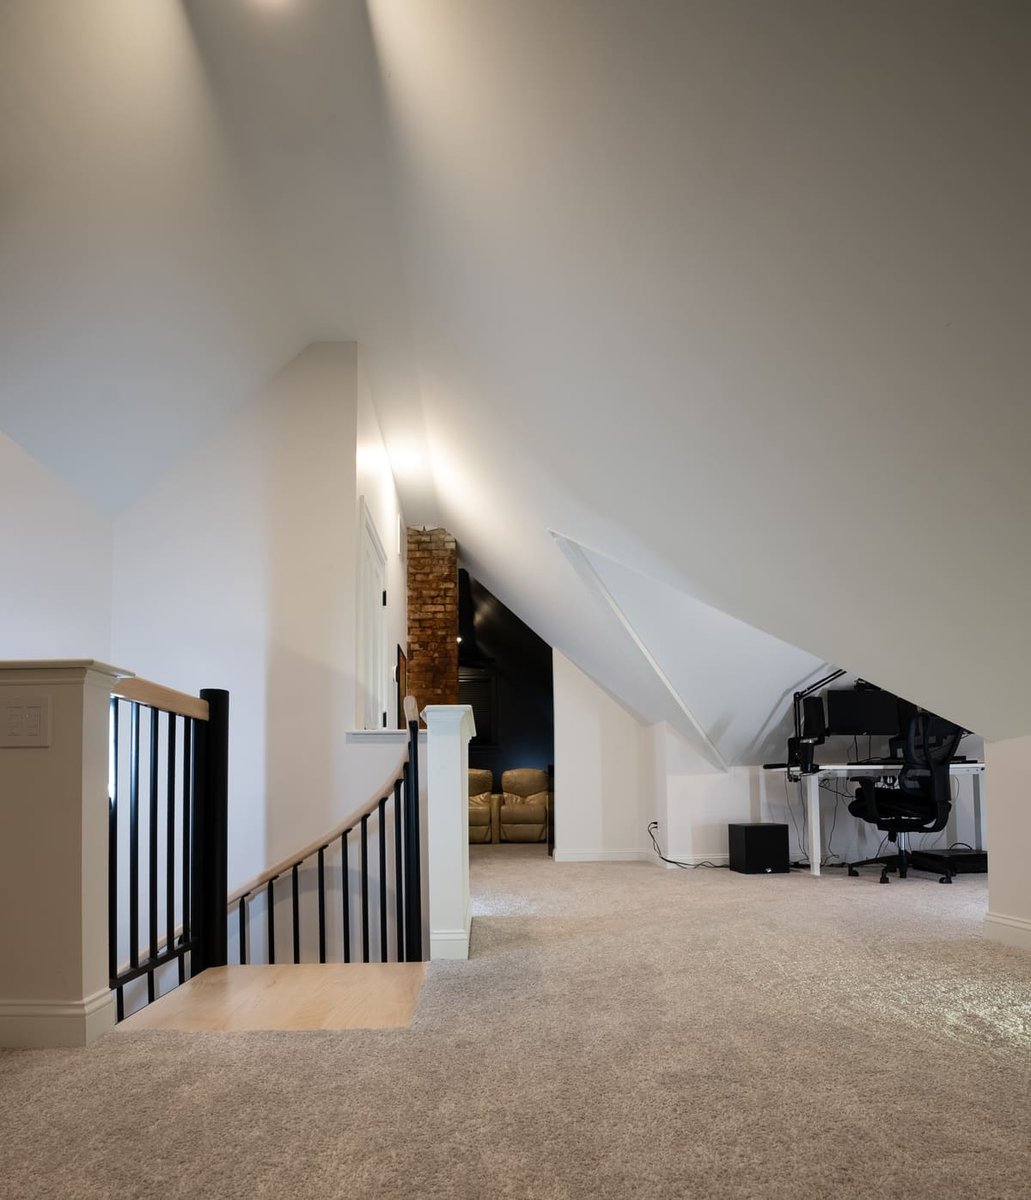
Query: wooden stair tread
x=288 y=996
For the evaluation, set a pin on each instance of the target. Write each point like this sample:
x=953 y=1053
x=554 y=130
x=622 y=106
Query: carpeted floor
x=621 y=1031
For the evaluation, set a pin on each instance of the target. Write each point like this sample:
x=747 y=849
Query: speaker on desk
x=758 y=848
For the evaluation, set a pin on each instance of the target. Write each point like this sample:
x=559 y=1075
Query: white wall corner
x=1010 y=931
x=605 y=780
x=452 y=943
x=55 y=815
x=1007 y=782
x=50 y=1024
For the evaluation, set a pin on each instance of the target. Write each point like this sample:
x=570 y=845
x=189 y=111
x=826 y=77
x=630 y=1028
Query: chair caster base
x=945 y=879
x=852 y=872
x=884 y=878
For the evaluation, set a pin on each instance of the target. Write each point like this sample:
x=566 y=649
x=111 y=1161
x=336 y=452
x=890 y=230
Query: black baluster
x=187 y=843
x=295 y=887
x=211 y=829
x=382 y=880
x=322 y=904
x=134 y=833
x=112 y=853
x=270 y=921
x=399 y=910
x=345 y=889
x=242 y=914
x=413 y=866
x=170 y=838
x=119 y=1003
x=152 y=866
x=365 y=888
x=198 y=833
x=150 y=987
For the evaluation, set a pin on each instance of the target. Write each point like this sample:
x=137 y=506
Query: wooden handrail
x=143 y=691
x=281 y=868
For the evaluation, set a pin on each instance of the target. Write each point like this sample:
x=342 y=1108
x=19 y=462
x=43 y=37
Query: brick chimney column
x=432 y=616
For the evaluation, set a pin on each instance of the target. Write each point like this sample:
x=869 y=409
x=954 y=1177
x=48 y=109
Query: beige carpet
x=622 y=1031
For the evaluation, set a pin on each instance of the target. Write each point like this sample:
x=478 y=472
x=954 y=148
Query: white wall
x=785 y=327
x=694 y=801
x=603 y=771
x=55 y=565
x=1009 y=804
x=139 y=294
x=237 y=570
x=375 y=482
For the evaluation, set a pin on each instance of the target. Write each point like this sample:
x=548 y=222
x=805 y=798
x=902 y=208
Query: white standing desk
x=810 y=787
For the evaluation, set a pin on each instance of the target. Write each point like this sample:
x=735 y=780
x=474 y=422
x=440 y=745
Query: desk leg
x=812 y=797
x=978 y=780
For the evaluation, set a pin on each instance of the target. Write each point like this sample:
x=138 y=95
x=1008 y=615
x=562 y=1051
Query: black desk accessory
x=759 y=848
x=951 y=862
x=802 y=746
x=863 y=711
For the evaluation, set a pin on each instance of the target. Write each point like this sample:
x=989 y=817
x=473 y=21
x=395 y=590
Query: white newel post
x=54 y=722
x=449 y=728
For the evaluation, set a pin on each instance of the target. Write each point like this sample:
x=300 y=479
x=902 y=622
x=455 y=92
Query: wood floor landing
x=288 y=996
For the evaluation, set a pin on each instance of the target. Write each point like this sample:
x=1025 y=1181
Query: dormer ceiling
x=732 y=296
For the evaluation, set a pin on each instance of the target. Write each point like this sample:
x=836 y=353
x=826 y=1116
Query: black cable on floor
x=653 y=825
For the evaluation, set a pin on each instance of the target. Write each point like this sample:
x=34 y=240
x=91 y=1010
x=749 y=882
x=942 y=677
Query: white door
x=373 y=676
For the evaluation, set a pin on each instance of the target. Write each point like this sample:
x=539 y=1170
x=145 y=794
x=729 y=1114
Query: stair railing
x=396 y=850
x=167 y=828
x=168 y=850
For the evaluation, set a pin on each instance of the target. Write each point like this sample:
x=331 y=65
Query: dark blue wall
x=505 y=673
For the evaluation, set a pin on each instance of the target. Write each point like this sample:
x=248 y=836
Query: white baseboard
x=449 y=943
x=649 y=856
x=1013 y=931
x=693 y=860
x=26 y=1024
x=571 y=856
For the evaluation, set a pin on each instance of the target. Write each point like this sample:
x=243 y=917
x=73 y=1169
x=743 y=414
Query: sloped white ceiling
x=733 y=294
x=733 y=681
x=137 y=301
x=746 y=285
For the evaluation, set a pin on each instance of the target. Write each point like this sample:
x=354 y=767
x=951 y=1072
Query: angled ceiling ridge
x=578 y=557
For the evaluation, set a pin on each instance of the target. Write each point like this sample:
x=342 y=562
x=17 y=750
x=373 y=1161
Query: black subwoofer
x=759 y=848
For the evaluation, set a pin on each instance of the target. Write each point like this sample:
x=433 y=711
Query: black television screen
x=855 y=711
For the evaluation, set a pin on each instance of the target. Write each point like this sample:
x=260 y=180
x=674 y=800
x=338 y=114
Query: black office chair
x=922 y=798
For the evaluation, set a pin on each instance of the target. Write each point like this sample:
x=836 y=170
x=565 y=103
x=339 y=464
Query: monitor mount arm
x=794 y=757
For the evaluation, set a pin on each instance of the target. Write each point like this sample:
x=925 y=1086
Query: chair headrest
x=524 y=781
x=480 y=781
x=931 y=740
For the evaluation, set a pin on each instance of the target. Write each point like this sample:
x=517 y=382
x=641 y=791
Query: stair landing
x=287 y=996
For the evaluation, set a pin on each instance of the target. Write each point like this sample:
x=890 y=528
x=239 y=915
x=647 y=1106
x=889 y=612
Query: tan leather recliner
x=525 y=802
x=483 y=806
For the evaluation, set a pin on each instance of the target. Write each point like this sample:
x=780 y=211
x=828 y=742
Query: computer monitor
x=862 y=711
